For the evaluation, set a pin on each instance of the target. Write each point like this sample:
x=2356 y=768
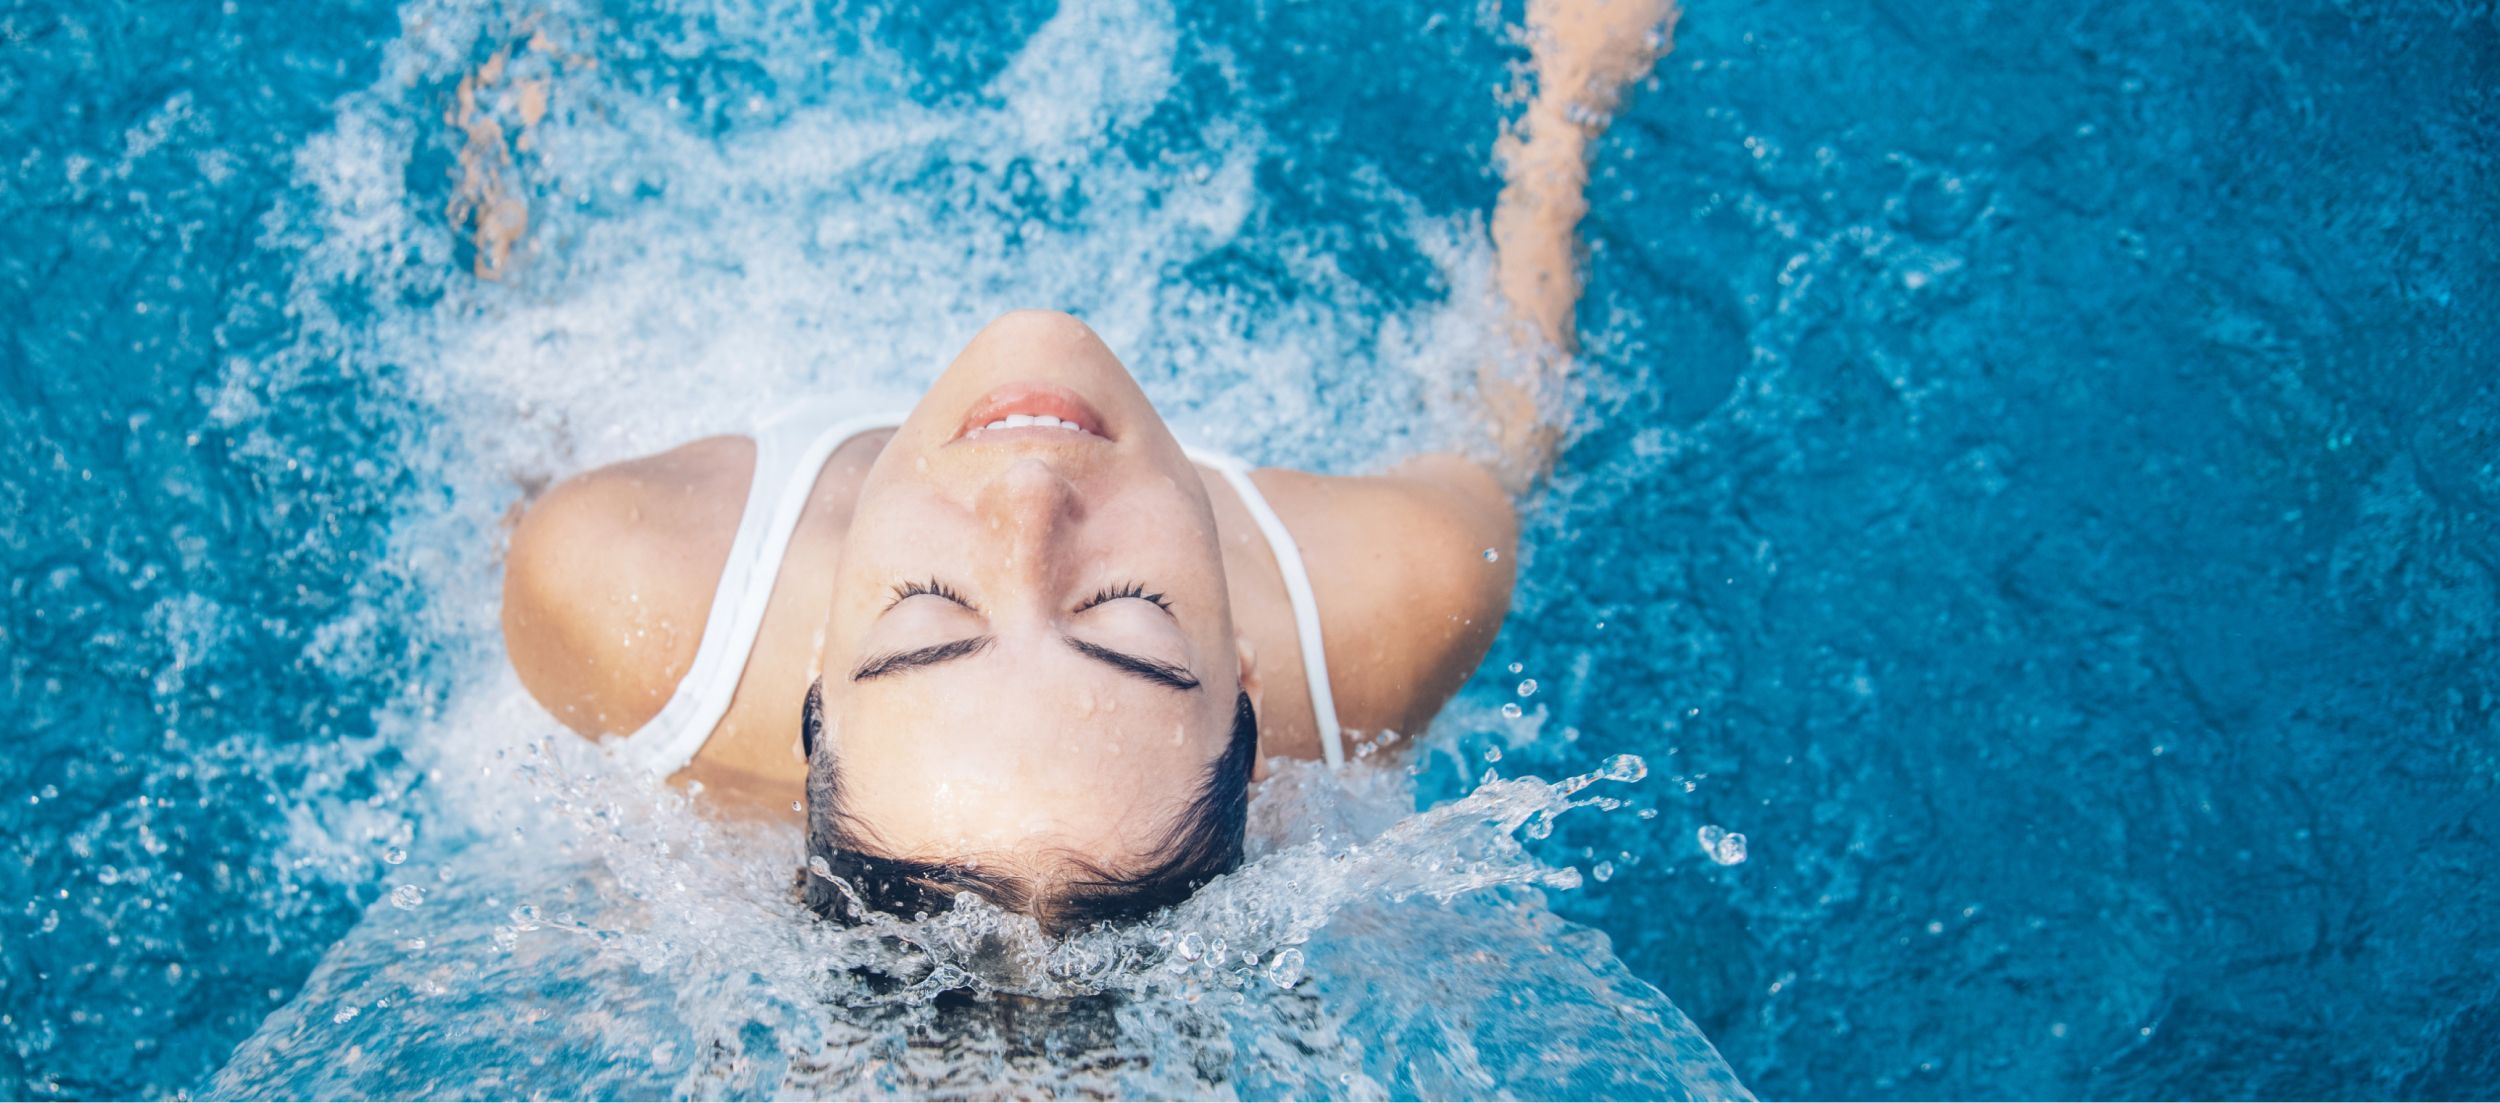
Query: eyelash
x=935 y=588
x=1127 y=589
x=932 y=587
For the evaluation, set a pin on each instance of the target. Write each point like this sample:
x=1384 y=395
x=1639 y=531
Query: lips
x=1038 y=410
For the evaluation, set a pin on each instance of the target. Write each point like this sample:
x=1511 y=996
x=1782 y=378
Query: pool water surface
x=2037 y=482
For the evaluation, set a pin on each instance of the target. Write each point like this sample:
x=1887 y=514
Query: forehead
x=1002 y=753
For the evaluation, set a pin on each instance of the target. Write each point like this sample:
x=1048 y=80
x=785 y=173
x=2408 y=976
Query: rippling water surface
x=2033 y=518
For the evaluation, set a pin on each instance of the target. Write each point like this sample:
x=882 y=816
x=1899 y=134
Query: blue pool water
x=2040 y=484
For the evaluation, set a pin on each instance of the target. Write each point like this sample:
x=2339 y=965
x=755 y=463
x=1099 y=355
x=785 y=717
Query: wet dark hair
x=1203 y=843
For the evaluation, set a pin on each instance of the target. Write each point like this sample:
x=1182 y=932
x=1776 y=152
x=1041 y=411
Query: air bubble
x=1516 y=668
x=1527 y=688
x=407 y=897
x=1493 y=754
x=525 y=917
x=1190 y=946
x=394 y=856
x=1510 y=710
x=1285 y=969
x=1603 y=872
x=1625 y=767
x=1722 y=845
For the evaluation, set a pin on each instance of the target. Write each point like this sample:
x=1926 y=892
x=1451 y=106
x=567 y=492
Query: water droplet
x=394 y=856
x=1935 y=926
x=1516 y=668
x=797 y=807
x=1510 y=710
x=407 y=897
x=1603 y=872
x=345 y=1014
x=1285 y=969
x=1722 y=845
x=1626 y=767
x=1190 y=946
x=1491 y=556
x=1493 y=754
x=1527 y=688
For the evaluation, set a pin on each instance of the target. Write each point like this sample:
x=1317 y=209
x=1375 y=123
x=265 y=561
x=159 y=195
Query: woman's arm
x=1583 y=53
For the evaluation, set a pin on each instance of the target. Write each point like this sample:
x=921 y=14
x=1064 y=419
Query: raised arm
x=1583 y=54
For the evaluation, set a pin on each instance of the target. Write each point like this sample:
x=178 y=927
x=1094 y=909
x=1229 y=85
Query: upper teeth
x=1043 y=421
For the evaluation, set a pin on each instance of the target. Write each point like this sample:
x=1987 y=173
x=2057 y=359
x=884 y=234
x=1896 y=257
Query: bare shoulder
x=609 y=579
x=1409 y=597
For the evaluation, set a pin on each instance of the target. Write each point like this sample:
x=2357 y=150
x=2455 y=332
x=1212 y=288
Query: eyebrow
x=900 y=661
x=1167 y=675
x=1162 y=674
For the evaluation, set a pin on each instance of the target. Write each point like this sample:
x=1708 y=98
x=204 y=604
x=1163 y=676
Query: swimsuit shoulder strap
x=790 y=451
x=1297 y=591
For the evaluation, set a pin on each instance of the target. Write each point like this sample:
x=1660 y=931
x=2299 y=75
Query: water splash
x=681 y=928
x=1722 y=845
x=569 y=930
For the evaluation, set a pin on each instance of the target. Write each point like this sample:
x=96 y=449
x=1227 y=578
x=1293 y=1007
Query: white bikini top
x=790 y=452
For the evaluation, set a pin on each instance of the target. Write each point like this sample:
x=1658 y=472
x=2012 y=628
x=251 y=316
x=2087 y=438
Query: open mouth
x=1041 y=411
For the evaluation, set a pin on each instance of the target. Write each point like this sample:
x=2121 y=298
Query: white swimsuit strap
x=1297 y=592
x=789 y=454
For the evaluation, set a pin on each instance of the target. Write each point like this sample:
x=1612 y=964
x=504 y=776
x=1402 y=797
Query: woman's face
x=1030 y=651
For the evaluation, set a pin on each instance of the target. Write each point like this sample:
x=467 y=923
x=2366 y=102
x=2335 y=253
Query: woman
x=1033 y=647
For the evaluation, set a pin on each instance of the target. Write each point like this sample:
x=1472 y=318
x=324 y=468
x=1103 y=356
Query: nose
x=1029 y=505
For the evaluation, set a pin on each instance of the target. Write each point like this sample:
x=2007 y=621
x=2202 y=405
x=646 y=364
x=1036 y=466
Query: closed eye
x=1126 y=590
x=932 y=588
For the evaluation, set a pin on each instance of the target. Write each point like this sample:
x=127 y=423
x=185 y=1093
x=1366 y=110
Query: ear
x=812 y=719
x=1249 y=656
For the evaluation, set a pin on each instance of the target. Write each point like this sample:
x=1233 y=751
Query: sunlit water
x=2032 y=518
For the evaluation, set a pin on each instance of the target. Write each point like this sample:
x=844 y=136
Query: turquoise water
x=2037 y=485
